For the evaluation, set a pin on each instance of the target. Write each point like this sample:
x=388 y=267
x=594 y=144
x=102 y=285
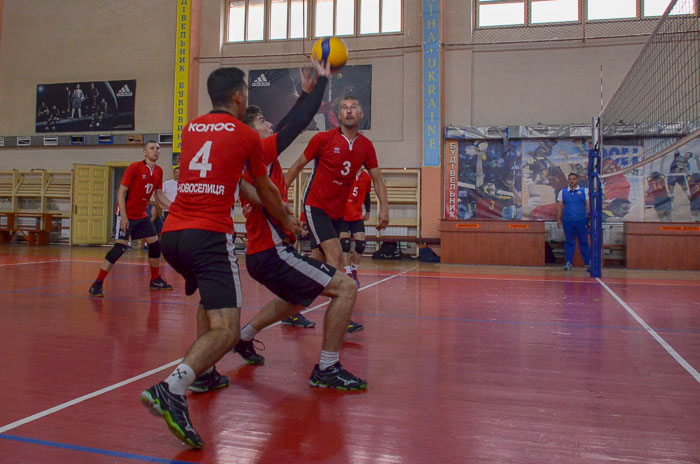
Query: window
x=492 y=13
x=257 y=20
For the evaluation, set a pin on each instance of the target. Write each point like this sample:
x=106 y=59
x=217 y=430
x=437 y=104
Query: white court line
x=94 y=394
x=653 y=333
x=85 y=397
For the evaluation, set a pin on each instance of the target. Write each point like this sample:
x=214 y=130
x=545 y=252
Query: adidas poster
x=276 y=90
x=90 y=106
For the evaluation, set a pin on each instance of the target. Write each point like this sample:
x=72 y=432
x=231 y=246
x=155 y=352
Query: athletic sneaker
x=298 y=320
x=173 y=408
x=354 y=327
x=160 y=284
x=247 y=352
x=568 y=267
x=211 y=381
x=96 y=289
x=354 y=276
x=336 y=377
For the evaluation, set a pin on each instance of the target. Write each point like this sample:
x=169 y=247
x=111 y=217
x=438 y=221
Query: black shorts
x=138 y=228
x=206 y=260
x=673 y=179
x=321 y=226
x=289 y=275
x=353 y=227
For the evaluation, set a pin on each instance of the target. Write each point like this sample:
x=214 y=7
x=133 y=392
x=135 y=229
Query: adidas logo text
x=261 y=81
x=125 y=92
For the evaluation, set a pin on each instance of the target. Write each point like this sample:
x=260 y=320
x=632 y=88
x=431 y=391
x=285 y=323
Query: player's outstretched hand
x=308 y=79
x=321 y=69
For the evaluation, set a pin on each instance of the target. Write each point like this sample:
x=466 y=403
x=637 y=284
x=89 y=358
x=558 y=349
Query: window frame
x=309 y=19
x=582 y=13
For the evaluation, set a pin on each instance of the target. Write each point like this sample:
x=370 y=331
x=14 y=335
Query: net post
x=596 y=199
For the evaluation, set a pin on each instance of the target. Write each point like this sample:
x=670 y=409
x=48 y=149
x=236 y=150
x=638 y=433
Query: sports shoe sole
x=325 y=385
x=196 y=389
x=158 y=288
x=99 y=295
x=355 y=328
x=153 y=406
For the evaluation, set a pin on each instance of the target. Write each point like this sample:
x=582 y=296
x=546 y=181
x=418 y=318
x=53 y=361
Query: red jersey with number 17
x=216 y=147
x=360 y=188
x=142 y=181
x=337 y=160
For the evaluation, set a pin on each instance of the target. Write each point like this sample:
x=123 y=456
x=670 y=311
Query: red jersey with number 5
x=142 y=181
x=362 y=185
x=216 y=147
x=336 y=161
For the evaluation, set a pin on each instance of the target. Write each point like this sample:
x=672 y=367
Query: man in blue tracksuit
x=572 y=212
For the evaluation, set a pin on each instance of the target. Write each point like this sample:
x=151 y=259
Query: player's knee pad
x=360 y=246
x=345 y=245
x=154 y=250
x=115 y=253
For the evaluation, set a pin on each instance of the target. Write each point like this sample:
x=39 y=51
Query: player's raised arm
x=382 y=196
x=296 y=168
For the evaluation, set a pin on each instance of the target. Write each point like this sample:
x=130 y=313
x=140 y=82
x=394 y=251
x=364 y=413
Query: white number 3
x=202 y=154
x=346 y=168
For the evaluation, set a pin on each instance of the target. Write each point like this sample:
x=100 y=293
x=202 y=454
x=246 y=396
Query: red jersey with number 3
x=142 y=181
x=336 y=161
x=264 y=232
x=216 y=147
x=360 y=188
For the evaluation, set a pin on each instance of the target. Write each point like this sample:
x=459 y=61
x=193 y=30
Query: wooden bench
x=37 y=234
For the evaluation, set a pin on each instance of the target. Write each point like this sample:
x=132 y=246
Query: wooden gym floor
x=465 y=364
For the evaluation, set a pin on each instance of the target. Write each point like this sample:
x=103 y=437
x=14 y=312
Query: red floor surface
x=464 y=364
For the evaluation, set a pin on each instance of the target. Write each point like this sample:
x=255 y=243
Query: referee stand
x=596 y=200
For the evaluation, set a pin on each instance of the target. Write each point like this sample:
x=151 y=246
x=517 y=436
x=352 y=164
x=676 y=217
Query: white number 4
x=202 y=154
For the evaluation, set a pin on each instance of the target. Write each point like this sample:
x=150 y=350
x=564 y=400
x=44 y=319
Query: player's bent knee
x=345 y=245
x=360 y=246
x=154 y=250
x=115 y=253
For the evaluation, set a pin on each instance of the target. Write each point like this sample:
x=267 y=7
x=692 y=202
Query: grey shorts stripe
x=233 y=260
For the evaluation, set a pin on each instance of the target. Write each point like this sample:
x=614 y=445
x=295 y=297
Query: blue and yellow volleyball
x=331 y=49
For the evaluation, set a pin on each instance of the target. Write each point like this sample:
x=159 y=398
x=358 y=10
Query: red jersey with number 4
x=216 y=147
x=142 y=182
x=264 y=232
x=336 y=161
x=360 y=188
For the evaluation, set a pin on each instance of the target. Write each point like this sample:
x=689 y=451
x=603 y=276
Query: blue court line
x=85 y=449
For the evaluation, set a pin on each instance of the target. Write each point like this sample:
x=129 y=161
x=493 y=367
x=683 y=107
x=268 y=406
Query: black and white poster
x=276 y=90
x=85 y=106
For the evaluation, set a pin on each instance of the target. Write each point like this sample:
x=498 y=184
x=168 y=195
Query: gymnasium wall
x=517 y=83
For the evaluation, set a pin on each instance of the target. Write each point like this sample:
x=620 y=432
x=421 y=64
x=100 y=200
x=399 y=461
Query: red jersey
x=360 y=188
x=142 y=181
x=263 y=231
x=216 y=147
x=337 y=160
x=616 y=187
x=694 y=187
x=491 y=206
x=656 y=190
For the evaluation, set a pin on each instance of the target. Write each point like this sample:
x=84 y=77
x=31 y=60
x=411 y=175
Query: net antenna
x=659 y=97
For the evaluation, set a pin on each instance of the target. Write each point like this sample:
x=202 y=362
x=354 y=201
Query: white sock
x=181 y=378
x=354 y=267
x=347 y=269
x=248 y=332
x=328 y=358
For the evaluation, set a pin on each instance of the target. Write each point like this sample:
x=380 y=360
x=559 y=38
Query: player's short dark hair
x=351 y=97
x=251 y=113
x=223 y=83
x=145 y=144
x=573 y=174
